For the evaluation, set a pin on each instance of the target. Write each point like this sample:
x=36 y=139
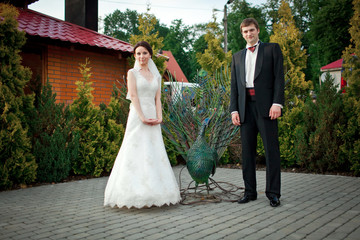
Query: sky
x=190 y=11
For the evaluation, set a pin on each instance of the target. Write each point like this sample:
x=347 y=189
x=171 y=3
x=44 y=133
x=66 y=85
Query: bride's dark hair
x=145 y=45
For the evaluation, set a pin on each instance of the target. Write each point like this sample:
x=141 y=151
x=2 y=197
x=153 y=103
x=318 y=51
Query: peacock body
x=201 y=159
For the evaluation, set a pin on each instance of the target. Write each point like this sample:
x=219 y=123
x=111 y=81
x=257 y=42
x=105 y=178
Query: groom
x=257 y=98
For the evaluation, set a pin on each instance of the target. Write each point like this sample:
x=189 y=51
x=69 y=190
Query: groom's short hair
x=247 y=22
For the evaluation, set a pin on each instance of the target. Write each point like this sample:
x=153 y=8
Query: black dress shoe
x=274 y=201
x=247 y=198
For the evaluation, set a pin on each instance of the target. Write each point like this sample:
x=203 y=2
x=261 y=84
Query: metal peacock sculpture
x=197 y=122
x=201 y=159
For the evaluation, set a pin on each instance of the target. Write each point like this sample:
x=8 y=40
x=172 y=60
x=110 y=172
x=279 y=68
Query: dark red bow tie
x=252 y=49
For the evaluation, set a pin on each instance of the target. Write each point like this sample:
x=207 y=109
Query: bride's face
x=142 y=55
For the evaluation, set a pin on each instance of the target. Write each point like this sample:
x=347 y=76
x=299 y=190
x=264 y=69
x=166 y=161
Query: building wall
x=336 y=74
x=63 y=72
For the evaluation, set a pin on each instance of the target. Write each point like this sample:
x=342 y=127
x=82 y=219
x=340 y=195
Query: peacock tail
x=199 y=142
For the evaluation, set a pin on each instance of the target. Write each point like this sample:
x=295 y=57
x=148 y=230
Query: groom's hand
x=275 y=112
x=235 y=119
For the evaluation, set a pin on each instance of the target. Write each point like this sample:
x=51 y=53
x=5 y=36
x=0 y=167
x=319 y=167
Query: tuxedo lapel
x=242 y=67
x=259 y=60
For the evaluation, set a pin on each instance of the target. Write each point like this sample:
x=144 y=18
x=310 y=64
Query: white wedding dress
x=142 y=175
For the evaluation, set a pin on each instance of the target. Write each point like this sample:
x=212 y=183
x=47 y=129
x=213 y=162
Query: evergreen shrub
x=171 y=151
x=225 y=158
x=17 y=163
x=55 y=144
x=100 y=136
x=318 y=139
x=113 y=116
x=350 y=150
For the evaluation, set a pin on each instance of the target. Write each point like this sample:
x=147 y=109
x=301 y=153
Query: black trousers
x=253 y=124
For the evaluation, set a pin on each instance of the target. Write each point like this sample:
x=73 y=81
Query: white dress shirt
x=250 y=64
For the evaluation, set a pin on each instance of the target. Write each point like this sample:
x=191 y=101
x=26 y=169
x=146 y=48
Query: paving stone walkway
x=312 y=207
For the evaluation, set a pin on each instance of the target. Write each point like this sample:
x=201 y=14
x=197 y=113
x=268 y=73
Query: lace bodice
x=144 y=87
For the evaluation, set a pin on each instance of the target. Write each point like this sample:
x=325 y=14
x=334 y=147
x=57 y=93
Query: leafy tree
x=178 y=41
x=199 y=45
x=328 y=33
x=214 y=56
x=324 y=25
x=271 y=11
x=300 y=11
x=162 y=29
x=299 y=8
x=122 y=25
x=240 y=9
x=148 y=33
x=17 y=164
x=351 y=130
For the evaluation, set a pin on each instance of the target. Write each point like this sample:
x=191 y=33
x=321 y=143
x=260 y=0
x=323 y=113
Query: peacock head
x=206 y=123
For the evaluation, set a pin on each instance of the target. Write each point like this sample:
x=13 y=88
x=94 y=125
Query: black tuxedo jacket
x=268 y=80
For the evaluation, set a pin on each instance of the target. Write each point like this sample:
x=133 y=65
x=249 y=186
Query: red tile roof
x=336 y=64
x=38 y=24
x=174 y=68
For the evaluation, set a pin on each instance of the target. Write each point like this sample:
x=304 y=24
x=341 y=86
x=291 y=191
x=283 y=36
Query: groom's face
x=250 y=34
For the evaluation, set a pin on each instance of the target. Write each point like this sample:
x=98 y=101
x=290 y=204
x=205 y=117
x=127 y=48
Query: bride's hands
x=152 y=122
x=157 y=121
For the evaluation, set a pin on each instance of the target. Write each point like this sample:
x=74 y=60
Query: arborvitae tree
x=119 y=106
x=288 y=36
x=147 y=33
x=121 y=25
x=55 y=144
x=351 y=131
x=114 y=122
x=214 y=56
x=17 y=164
x=318 y=141
x=94 y=153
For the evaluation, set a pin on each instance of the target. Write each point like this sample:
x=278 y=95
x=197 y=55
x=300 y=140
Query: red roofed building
x=335 y=70
x=173 y=68
x=54 y=49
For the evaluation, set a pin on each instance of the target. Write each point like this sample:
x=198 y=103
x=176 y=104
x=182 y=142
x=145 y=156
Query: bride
x=142 y=175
